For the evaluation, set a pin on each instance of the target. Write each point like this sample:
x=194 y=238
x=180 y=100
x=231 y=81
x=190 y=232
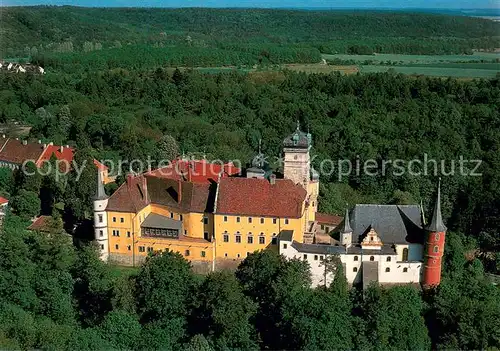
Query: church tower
x=297 y=166
x=100 y=218
x=434 y=246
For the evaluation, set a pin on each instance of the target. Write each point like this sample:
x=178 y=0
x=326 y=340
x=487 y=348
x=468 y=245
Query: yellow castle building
x=210 y=213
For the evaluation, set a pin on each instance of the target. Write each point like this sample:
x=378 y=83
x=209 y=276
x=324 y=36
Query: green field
x=432 y=71
x=478 y=56
x=482 y=66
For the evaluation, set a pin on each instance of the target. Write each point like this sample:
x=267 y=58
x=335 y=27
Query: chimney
x=17 y=138
x=62 y=148
x=145 y=189
x=44 y=146
x=39 y=141
x=3 y=136
x=25 y=142
x=130 y=178
x=51 y=143
x=272 y=179
x=179 y=191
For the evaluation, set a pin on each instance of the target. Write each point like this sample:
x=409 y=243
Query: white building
x=375 y=243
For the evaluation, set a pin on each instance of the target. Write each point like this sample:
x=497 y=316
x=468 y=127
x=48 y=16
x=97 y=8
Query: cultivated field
x=432 y=71
x=459 y=66
x=381 y=58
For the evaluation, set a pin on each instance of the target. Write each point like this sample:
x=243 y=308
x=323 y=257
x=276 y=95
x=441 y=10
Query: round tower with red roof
x=434 y=246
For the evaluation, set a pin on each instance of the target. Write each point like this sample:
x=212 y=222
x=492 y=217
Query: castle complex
x=215 y=217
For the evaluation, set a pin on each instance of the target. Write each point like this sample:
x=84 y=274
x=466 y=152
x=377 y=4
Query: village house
x=14 y=152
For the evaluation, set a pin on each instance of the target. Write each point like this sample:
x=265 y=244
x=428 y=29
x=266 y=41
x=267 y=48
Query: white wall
x=102 y=241
x=415 y=251
x=396 y=272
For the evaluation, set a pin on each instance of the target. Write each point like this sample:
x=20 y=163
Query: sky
x=441 y=4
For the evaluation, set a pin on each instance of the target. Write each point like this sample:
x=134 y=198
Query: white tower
x=100 y=218
x=297 y=163
x=346 y=231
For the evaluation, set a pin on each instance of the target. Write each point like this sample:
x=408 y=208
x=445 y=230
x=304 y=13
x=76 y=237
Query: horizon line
x=447 y=9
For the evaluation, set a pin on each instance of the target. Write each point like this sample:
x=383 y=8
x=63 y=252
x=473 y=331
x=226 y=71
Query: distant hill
x=66 y=28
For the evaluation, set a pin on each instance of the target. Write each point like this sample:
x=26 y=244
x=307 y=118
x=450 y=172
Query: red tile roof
x=3 y=200
x=41 y=224
x=130 y=196
x=100 y=165
x=60 y=152
x=15 y=151
x=326 y=218
x=196 y=171
x=258 y=197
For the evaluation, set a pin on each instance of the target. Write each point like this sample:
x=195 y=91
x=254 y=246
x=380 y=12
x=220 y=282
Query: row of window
x=121 y=219
x=250 y=220
x=115 y=232
x=187 y=253
x=205 y=219
x=237 y=238
x=387 y=270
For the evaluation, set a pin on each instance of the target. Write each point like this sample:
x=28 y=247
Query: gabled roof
x=258 y=197
x=139 y=191
x=129 y=197
x=325 y=218
x=394 y=224
x=196 y=171
x=41 y=224
x=186 y=196
x=15 y=151
x=60 y=152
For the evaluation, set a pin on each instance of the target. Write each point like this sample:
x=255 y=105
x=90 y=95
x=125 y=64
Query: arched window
x=355 y=269
x=405 y=270
x=388 y=259
x=436 y=236
x=405 y=254
x=387 y=269
x=372 y=258
x=436 y=249
x=355 y=258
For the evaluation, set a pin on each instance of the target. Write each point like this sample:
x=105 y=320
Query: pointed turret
x=346 y=231
x=100 y=193
x=434 y=246
x=346 y=228
x=436 y=224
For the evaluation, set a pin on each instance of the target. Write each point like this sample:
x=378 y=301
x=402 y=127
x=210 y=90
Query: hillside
x=29 y=30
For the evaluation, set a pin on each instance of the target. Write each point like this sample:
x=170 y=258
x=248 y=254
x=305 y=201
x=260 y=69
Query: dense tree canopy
x=66 y=298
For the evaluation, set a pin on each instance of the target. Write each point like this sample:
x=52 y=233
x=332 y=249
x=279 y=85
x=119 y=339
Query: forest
x=66 y=298
x=115 y=101
x=125 y=114
x=240 y=36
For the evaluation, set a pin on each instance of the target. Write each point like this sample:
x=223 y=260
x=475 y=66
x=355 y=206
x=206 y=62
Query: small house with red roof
x=15 y=152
